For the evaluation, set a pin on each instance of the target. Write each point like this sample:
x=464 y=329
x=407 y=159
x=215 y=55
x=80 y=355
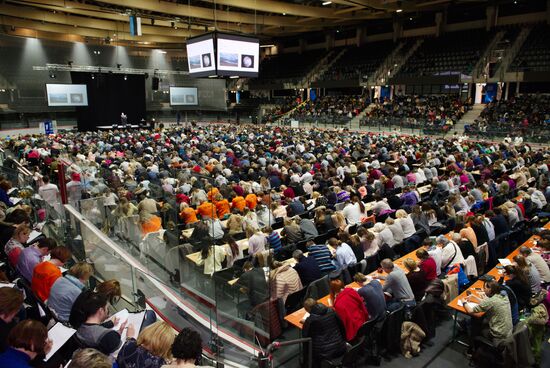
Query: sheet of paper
x=15 y=200
x=122 y=317
x=33 y=236
x=41 y=311
x=505 y=261
x=135 y=319
x=11 y=190
x=304 y=317
x=59 y=334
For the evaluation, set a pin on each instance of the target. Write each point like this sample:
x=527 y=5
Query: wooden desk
x=425 y=189
x=495 y=272
x=295 y=318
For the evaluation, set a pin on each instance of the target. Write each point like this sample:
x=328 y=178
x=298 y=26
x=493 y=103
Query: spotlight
x=93 y=76
x=118 y=66
x=125 y=77
x=52 y=75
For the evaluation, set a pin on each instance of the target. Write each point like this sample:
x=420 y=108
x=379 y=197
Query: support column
x=329 y=40
x=397 y=28
x=507 y=91
x=302 y=45
x=491 y=12
x=361 y=36
x=517 y=88
x=439 y=24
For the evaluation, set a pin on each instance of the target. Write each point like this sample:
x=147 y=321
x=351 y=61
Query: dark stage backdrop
x=108 y=96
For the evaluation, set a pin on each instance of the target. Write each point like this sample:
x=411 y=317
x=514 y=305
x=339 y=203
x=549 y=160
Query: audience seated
x=89 y=316
x=65 y=290
x=11 y=301
x=47 y=272
x=152 y=349
x=186 y=349
x=327 y=333
x=86 y=358
x=349 y=306
x=26 y=341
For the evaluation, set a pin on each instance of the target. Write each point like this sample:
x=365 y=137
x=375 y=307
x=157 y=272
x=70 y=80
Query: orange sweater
x=251 y=201
x=239 y=203
x=207 y=209
x=223 y=208
x=188 y=215
x=43 y=277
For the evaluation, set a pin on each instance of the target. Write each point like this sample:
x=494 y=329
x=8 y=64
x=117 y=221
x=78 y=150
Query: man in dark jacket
x=307 y=267
x=253 y=284
x=326 y=331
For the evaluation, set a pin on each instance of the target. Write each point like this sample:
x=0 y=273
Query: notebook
x=59 y=334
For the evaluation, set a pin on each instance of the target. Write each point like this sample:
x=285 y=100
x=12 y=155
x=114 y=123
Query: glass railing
x=166 y=273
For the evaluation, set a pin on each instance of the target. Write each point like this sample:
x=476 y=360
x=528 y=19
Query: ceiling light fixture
x=264 y=46
x=399 y=10
x=327 y=3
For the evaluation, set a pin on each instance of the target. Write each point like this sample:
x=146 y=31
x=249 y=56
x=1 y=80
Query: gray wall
x=22 y=90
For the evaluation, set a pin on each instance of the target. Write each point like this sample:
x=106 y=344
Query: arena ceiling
x=170 y=22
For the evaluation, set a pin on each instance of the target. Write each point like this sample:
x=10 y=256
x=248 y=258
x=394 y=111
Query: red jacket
x=351 y=309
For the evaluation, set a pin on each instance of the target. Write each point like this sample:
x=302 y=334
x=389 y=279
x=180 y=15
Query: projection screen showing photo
x=67 y=94
x=237 y=55
x=183 y=96
x=200 y=56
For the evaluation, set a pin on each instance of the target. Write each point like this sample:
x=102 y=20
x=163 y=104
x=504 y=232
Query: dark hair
x=47 y=243
x=61 y=253
x=187 y=345
x=493 y=286
x=30 y=335
x=18 y=216
x=11 y=300
x=86 y=305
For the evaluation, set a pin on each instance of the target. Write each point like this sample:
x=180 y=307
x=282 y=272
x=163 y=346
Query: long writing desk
x=476 y=289
x=296 y=318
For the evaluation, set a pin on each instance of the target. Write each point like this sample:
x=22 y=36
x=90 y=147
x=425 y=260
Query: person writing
x=88 y=316
x=26 y=341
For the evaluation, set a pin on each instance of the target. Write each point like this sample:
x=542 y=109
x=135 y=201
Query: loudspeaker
x=155 y=83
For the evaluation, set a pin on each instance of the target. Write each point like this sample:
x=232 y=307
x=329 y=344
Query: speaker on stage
x=155 y=81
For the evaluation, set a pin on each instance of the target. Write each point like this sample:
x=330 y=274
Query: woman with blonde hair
x=339 y=220
x=406 y=223
x=152 y=349
x=14 y=246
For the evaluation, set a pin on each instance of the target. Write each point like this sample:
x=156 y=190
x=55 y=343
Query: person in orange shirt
x=239 y=203
x=45 y=273
x=149 y=223
x=211 y=192
x=251 y=201
x=222 y=206
x=207 y=209
x=188 y=214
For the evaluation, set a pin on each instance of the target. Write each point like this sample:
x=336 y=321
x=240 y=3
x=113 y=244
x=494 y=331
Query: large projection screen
x=237 y=55
x=67 y=94
x=200 y=56
x=183 y=96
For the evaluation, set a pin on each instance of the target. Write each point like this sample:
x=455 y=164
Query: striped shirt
x=322 y=255
x=274 y=241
